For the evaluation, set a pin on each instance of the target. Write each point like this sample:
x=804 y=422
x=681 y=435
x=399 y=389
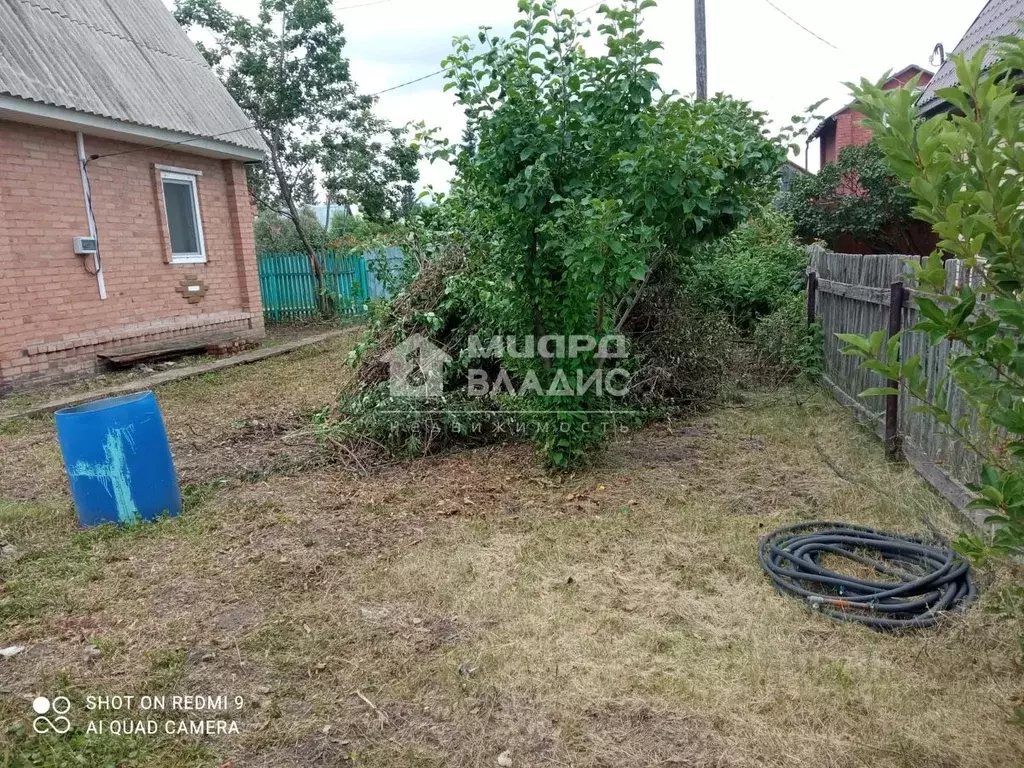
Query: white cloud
x=754 y=52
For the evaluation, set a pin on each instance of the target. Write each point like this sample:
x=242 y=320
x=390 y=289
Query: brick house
x=125 y=218
x=844 y=129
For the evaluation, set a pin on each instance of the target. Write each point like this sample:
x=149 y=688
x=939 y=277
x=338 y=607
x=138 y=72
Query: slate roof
x=122 y=59
x=997 y=19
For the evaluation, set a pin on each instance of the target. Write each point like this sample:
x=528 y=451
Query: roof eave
x=919 y=69
x=25 y=111
x=834 y=117
x=933 y=107
x=824 y=124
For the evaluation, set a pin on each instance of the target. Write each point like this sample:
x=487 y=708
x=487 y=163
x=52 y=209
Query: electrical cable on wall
x=91 y=215
x=93 y=225
x=171 y=143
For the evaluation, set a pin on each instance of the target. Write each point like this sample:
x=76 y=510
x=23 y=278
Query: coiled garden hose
x=921 y=582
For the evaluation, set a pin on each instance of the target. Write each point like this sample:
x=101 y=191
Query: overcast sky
x=754 y=52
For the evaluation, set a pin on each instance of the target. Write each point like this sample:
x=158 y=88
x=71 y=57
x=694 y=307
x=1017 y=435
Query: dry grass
x=445 y=611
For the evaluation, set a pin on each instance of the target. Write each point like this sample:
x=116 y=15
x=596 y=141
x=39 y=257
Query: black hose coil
x=924 y=580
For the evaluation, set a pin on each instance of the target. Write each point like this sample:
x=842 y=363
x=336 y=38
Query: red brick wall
x=52 y=321
x=847 y=130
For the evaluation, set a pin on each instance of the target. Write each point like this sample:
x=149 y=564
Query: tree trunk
x=324 y=298
x=539 y=328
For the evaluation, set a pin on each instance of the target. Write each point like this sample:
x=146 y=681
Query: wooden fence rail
x=862 y=294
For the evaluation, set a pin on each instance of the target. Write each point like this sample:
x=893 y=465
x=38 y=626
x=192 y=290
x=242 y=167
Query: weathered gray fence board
x=946 y=450
x=853 y=297
x=857 y=292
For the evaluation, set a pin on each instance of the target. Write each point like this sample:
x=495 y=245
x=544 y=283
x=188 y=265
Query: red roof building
x=844 y=129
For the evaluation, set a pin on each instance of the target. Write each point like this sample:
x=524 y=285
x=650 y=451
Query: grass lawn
x=473 y=610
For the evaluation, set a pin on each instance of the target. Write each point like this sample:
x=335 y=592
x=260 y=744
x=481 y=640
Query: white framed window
x=184 y=222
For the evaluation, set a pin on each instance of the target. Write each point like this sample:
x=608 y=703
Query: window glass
x=182 y=219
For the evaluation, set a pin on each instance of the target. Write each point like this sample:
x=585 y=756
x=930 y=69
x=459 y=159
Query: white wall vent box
x=85 y=246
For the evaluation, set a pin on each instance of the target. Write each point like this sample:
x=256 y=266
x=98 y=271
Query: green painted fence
x=289 y=289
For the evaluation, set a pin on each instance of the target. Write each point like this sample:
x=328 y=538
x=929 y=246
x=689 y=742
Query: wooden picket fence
x=288 y=287
x=862 y=294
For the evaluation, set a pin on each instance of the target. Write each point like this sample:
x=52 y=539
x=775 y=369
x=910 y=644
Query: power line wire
x=441 y=71
x=805 y=29
x=362 y=5
x=408 y=82
x=173 y=143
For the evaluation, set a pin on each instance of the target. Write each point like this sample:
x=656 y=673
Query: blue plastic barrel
x=118 y=460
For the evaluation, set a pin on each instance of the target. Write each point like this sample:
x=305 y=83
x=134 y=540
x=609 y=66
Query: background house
x=789 y=171
x=844 y=129
x=113 y=129
x=999 y=18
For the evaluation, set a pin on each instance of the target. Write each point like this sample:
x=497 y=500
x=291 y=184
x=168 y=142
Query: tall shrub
x=964 y=171
x=750 y=272
x=857 y=196
x=585 y=176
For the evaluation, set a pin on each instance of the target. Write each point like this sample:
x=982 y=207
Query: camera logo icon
x=59 y=707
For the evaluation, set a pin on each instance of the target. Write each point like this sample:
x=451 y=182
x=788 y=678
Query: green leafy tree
x=469 y=141
x=362 y=169
x=585 y=177
x=965 y=174
x=276 y=233
x=288 y=73
x=859 y=196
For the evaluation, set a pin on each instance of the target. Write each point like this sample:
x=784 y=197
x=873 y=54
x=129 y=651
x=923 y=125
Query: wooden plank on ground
x=126 y=357
x=862 y=414
x=175 y=375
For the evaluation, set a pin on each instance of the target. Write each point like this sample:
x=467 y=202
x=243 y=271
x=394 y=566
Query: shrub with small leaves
x=785 y=344
x=965 y=173
x=584 y=176
x=751 y=272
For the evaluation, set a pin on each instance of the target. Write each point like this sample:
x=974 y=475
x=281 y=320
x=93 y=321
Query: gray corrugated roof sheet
x=122 y=59
x=997 y=19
